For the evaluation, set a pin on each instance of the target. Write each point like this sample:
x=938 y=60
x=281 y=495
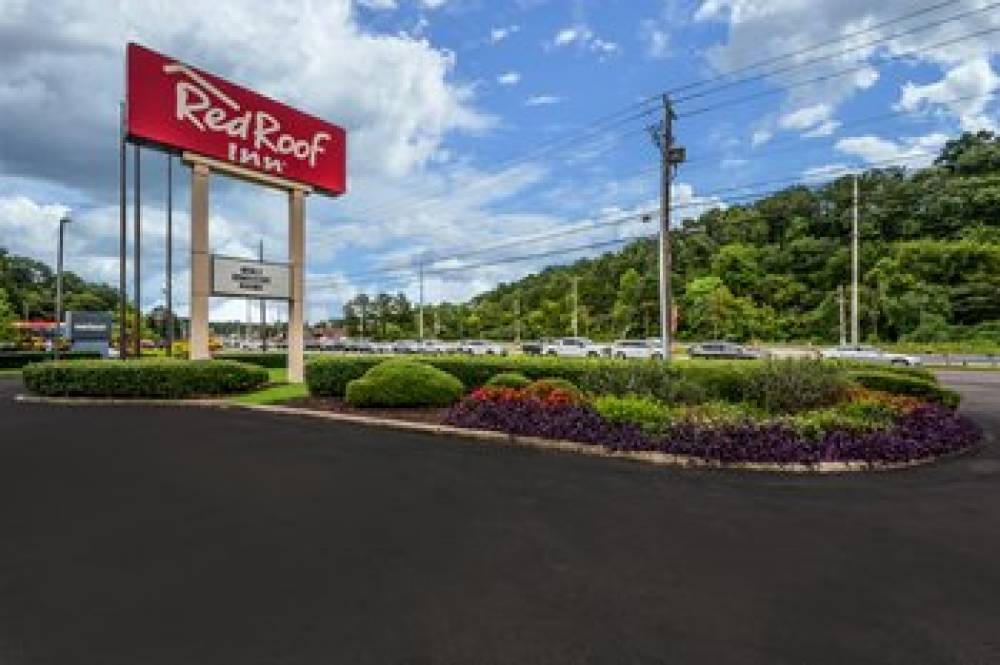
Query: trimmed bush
x=508 y=380
x=901 y=384
x=151 y=378
x=404 y=383
x=668 y=384
x=790 y=386
x=276 y=360
x=328 y=377
x=19 y=359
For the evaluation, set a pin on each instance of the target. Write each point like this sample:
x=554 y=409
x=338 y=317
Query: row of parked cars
x=582 y=347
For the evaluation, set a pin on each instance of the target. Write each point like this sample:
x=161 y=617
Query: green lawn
x=10 y=372
x=276 y=391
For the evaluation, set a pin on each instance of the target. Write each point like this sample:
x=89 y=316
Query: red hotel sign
x=182 y=108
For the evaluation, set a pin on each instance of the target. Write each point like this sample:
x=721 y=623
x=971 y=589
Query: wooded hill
x=770 y=270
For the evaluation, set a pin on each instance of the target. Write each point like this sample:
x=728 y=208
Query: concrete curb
x=537 y=443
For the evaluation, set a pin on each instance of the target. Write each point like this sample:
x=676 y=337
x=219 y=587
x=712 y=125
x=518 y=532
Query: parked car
x=576 y=347
x=725 y=351
x=483 y=347
x=533 y=348
x=869 y=354
x=406 y=346
x=642 y=349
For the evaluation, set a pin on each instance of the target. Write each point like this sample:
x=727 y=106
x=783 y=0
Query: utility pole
x=136 y=259
x=517 y=319
x=670 y=157
x=420 y=321
x=854 y=267
x=576 y=306
x=263 y=305
x=843 y=317
x=59 y=289
x=122 y=236
x=169 y=297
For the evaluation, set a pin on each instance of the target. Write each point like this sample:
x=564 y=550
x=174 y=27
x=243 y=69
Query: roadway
x=163 y=536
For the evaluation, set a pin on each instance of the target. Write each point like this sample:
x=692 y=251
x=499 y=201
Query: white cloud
x=825 y=128
x=964 y=91
x=395 y=94
x=497 y=35
x=759 y=31
x=805 y=117
x=826 y=172
x=913 y=152
x=760 y=137
x=542 y=100
x=655 y=39
x=509 y=78
x=584 y=38
x=432 y=4
x=378 y=4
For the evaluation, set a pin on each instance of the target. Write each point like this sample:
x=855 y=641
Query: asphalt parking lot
x=144 y=536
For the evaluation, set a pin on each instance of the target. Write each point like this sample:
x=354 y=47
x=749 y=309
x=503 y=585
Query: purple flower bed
x=927 y=431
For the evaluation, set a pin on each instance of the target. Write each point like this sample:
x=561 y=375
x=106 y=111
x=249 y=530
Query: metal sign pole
x=169 y=314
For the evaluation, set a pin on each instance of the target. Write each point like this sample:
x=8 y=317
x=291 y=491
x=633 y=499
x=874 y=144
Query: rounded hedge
x=149 y=378
x=508 y=380
x=404 y=383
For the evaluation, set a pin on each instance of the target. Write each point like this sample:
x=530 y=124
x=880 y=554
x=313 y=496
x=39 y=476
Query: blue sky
x=451 y=104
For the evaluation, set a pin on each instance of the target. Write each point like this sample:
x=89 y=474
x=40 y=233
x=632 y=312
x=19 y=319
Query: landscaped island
x=795 y=412
x=784 y=412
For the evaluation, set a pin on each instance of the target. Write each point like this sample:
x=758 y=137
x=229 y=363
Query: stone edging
x=538 y=443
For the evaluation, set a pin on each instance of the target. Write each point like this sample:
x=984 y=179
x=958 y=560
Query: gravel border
x=538 y=443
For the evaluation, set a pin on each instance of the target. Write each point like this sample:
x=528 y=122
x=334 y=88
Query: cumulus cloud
x=964 y=91
x=62 y=78
x=758 y=31
x=913 y=152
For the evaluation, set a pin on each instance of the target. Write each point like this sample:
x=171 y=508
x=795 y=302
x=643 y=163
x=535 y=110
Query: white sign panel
x=245 y=278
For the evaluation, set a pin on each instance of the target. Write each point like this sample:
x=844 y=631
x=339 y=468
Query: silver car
x=863 y=353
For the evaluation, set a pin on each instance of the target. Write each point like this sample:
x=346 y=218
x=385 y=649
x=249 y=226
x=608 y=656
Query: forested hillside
x=770 y=270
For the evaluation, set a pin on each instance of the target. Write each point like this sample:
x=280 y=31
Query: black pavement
x=144 y=536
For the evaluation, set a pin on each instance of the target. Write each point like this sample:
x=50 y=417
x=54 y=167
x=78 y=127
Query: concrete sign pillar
x=200 y=261
x=296 y=305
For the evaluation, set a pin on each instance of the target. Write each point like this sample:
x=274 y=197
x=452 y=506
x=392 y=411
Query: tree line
x=771 y=269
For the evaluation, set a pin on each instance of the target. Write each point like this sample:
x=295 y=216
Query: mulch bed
x=433 y=415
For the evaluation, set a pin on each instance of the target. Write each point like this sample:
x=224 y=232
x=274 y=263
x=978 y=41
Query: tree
x=7 y=318
x=625 y=312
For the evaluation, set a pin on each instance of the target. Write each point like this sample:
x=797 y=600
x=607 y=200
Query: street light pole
x=63 y=221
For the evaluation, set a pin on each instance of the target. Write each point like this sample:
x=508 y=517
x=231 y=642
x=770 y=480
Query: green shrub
x=328 y=377
x=275 y=360
x=19 y=359
x=718 y=413
x=790 y=386
x=899 y=384
x=401 y=382
x=904 y=370
x=151 y=378
x=508 y=380
x=669 y=384
x=646 y=412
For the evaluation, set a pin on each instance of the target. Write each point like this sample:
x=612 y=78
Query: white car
x=869 y=354
x=436 y=347
x=482 y=347
x=575 y=347
x=642 y=349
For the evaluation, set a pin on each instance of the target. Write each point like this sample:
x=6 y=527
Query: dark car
x=533 y=348
x=724 y=351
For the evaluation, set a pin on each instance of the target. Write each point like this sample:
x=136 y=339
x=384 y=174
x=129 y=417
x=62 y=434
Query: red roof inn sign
x=180 y=108
x=220 y=127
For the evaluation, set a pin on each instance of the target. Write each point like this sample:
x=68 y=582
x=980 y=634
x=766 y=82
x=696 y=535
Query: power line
x=825 y=77
x=646 y=104
x=830 y=56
